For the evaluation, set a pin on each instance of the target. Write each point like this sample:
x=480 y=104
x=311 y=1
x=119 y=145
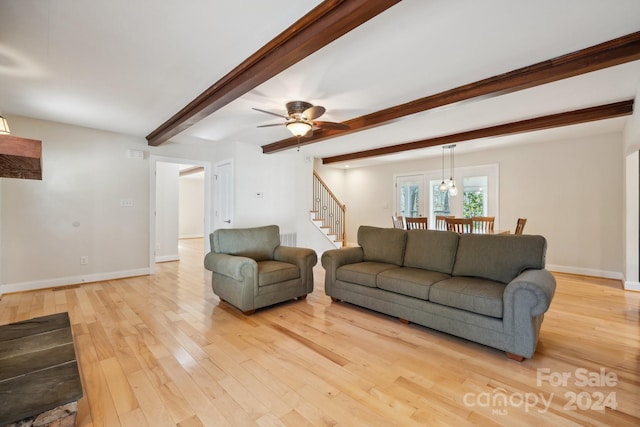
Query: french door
x=410 y=201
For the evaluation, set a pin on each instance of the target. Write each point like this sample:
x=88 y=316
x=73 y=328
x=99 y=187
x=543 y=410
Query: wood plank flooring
x=162 y=350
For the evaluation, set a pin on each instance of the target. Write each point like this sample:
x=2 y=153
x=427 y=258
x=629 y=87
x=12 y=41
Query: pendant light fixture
x=453 y=190
x=443 y=185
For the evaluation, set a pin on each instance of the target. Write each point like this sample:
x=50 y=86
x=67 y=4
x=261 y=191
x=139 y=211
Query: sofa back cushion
x=431 y=250
x=257 y=243
x=498 y=257
x=382 y=244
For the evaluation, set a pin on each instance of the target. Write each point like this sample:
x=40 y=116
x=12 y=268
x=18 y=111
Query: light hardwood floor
x=162 y=350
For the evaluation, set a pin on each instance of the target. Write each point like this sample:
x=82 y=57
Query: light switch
x=126 y=203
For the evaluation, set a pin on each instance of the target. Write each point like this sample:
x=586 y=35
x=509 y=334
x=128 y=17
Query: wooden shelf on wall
x=20 y=157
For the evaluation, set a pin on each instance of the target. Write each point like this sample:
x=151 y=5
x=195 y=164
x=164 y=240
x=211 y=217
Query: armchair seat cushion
x=472 y=294
x=363 y=273
x=270 y=272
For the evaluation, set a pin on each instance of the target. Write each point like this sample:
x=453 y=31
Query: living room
x=576 y=187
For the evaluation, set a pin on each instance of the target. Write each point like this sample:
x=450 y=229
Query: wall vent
x=289 y=239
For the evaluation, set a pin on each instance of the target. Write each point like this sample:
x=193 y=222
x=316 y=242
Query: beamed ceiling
x=404 y=75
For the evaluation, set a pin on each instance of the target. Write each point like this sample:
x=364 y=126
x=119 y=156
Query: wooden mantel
x=20 y=157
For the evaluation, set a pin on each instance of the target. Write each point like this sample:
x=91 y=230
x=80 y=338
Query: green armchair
x=250 y=269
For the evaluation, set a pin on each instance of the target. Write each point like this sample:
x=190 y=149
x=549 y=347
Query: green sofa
x=250 y=269
x=491 y=289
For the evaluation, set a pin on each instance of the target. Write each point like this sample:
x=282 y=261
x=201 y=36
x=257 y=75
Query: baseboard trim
x=168 y=258
x=585 y=271
x=191 y=236
x=71 y=280
x=632 y=286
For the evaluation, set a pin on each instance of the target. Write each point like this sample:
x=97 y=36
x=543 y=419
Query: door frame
x=153 y=160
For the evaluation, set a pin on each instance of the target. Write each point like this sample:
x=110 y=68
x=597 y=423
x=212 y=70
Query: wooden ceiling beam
x=20 y=157
x=324 y=24
x=608 y=54
x=585 y=115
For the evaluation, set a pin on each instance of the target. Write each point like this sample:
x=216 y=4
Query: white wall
x=191 y=206
x=75 y=210
x=286 y=182
x=570 y=191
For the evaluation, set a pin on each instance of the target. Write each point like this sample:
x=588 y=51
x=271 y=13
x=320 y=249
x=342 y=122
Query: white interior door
x=223 y=212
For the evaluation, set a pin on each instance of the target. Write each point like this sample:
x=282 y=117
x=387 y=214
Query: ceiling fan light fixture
x=298 y=128
x=4 y=126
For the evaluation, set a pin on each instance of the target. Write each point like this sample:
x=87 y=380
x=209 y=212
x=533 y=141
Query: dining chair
x=441 y=223
x=483 y=224
x=459 y=225
x=417 y=223
x=520 y=225
x=398 y=221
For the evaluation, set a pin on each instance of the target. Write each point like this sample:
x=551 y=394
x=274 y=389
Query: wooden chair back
x=417 y=223
x=520 y=225
x=459 y=225
x=483 y=224
x=441 y=223
x=398 y=221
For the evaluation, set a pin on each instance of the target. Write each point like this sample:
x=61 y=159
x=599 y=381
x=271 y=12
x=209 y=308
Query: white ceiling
x=127 y=66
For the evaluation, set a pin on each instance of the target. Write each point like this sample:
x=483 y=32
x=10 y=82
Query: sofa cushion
x=270 y=272
x=382 y=244
x=362 y=273
x=498 y=257
x=257 y=243
x=413 y=282
x=431 y=250
x=471 y=294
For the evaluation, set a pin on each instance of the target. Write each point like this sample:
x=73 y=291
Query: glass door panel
x=474 y=196
x=410 y=195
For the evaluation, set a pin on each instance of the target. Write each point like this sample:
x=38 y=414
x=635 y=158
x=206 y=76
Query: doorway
x=161 y=191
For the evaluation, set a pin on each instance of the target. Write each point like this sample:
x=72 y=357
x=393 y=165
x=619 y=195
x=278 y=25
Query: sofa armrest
x=531 y=288
x=525 y=300
x=235 y=267
x=334 y=259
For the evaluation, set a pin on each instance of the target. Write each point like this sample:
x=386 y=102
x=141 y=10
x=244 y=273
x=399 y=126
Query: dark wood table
x=38 y=368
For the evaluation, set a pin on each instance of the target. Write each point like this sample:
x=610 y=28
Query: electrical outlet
x=84 y=260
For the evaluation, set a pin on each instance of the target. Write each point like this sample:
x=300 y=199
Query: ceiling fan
x=301 y=119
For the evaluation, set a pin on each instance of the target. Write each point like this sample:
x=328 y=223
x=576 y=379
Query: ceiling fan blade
x=331 y=125
x=274 y=124
x=269 y=112
x=314 y=112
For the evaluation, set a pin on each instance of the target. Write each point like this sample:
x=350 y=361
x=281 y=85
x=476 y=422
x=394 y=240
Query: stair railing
x=329 y=208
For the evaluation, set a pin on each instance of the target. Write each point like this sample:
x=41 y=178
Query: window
x=478 y=195
x=474 y=196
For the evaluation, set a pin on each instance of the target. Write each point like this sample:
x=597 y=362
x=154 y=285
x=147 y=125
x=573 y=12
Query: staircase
x=328 y=214
x=325 y=229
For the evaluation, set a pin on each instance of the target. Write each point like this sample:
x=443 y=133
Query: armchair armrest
x=297 y=256
x=231 y=266
x=304 y=258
